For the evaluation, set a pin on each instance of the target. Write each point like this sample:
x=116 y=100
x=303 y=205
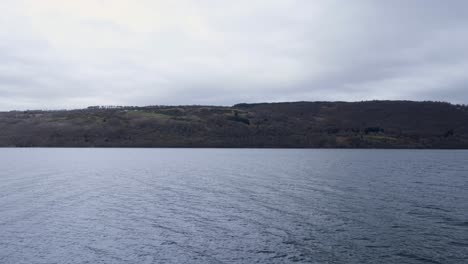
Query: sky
x=58 y=54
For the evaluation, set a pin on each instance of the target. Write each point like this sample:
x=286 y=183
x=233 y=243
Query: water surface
x=233 y=206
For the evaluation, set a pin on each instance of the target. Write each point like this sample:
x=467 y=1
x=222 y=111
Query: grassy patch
x=148 y=115
x=381 y=138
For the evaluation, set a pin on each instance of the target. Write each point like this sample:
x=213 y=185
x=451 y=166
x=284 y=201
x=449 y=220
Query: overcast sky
x=75 y=53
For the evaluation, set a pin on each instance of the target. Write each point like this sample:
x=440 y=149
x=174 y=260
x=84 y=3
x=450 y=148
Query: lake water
x=233 y=206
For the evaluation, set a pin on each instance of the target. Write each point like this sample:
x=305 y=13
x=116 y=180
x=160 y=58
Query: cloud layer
x=66 y=54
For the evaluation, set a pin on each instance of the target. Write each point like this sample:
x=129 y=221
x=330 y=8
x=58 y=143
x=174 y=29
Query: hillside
x=372 y=124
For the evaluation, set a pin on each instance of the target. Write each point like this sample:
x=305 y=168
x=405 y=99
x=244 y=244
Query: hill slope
x=372 y=124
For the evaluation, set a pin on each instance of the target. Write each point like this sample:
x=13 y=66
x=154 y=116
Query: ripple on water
x=233 y=206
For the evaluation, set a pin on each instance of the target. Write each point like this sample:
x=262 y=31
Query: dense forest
x=370 y=124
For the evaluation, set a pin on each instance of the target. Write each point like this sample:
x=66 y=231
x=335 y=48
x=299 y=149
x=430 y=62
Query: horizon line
x=108 y=107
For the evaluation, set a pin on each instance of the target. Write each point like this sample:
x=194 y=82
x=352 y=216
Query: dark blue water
x=233 y=206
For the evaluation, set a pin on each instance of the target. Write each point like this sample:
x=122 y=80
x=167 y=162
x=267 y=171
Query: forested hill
x=372 y=124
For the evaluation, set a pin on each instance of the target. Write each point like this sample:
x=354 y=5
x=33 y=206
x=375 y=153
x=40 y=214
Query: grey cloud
x=248 y=52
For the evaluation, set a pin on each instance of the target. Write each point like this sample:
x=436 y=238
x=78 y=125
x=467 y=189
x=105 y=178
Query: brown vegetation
x=372 y=124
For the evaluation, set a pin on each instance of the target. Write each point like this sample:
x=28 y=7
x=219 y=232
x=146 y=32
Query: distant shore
x=367 y=125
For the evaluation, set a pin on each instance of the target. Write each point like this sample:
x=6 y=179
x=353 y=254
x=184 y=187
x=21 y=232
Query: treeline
x=367 y=124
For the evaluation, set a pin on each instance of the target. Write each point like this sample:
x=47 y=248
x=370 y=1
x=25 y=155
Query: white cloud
x=57 y=53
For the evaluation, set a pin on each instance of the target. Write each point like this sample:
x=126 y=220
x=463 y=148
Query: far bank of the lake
x=372 y=124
